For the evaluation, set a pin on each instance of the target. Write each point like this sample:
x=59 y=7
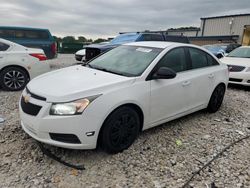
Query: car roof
x=23 y=28
x=157 y=44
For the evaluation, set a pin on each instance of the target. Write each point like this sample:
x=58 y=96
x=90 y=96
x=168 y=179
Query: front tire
x=13 y=79
x=216 y=99
x=120 y=130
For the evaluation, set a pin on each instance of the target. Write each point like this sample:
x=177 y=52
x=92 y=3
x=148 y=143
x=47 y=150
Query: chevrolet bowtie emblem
x=26 y=98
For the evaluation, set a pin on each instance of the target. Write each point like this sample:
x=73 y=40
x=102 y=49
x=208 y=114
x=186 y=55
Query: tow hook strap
x=52 y=156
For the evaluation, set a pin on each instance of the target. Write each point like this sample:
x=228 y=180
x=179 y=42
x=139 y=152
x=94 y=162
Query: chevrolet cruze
x=111 y=99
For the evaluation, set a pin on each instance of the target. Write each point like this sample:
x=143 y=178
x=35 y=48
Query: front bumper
x=79 y=57
x=42 y=125
x=240 y=78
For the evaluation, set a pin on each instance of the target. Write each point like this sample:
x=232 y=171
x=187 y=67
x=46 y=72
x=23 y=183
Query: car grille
x=235 y=80
x=91 y=53
x=30 y=108
x=236 y=68
x=35 y=96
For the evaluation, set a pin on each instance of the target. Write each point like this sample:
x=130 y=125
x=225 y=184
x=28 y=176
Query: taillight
x=41 y=57
x=54 y=48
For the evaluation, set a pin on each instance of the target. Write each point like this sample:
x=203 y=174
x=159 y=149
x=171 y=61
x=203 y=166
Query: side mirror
x=164 y=73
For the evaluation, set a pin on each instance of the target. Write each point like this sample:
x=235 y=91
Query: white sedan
x=80 y=55
x=109 y=100
x=238 y=62
x=19 y=64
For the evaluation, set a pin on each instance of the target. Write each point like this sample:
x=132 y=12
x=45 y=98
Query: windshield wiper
x=105 y=70
x=110 y=71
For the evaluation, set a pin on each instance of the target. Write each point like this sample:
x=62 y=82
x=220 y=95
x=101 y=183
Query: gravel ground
x=164 y=156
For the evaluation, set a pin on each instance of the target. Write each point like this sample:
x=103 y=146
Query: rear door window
x=7 y=33
x=198 y=58
x=24 y=34
x=3 y=46
x=157 y=38
x=211 y=61
x=36 y=34
x=152 y=37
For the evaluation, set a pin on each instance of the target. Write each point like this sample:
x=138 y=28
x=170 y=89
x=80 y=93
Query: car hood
x=76 y=82
x=81 y=52
x=236 y=61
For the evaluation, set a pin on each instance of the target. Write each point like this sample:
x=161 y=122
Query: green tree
x=99 y=40
x=82 y=39
x=69 y=39
x=57 y=39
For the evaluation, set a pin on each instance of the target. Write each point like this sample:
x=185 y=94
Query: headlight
x=71 y=108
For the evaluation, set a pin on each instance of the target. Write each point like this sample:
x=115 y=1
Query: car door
x=203 y=77
x=170 y=97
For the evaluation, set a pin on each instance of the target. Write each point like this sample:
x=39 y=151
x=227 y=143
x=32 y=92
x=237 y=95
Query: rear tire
x=216 y=99
x=120 y=130
x=13 y=79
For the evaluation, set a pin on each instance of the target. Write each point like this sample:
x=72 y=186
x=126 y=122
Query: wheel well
x=17 y=66
x=130 y=105
x=223 y=84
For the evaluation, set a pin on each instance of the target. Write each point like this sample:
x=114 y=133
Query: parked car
x=80 y=54
x=19 y=64
x=229 y=47
x=220 y=50
x=238 y=62
x=31 y=37
x=97 y=49
x=111 y=99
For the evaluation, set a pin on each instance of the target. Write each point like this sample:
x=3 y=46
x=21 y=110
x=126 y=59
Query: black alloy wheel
x=216 y=98
x=120 y=130
x=13 y=79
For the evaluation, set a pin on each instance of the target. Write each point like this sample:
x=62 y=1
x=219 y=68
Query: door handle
x=186 y=83
x=211 y=75
x=1 y=57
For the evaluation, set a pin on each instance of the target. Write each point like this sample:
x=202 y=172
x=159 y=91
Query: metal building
x=237 y=26
x=189 y=32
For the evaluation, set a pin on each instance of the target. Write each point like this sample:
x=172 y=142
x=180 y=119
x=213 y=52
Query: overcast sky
x=105 y=18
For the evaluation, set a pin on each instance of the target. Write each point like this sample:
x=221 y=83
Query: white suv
x=129 y=89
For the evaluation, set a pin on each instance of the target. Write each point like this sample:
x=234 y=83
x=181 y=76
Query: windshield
x=126 y=60
x=240 y=52
x=214 y=48
x=125 y=38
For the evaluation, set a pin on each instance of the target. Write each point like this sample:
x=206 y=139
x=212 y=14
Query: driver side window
x=175 y=60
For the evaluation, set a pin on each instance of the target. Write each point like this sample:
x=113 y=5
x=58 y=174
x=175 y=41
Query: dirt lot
x=154 y=160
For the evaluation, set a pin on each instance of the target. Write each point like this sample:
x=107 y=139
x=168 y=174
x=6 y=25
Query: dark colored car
x=96 y=49
x=31 y=37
